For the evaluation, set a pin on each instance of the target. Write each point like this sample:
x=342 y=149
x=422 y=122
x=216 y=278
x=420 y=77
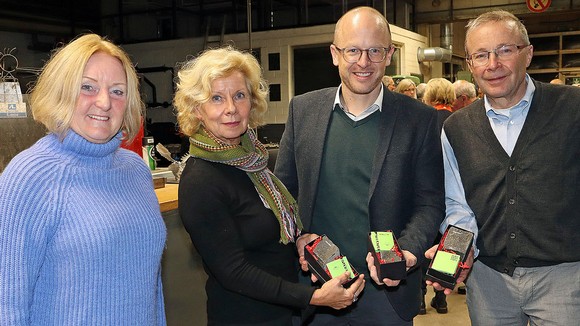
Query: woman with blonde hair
x=81 y=234
x=242 y=220
x=407 y=87
x=440 y=94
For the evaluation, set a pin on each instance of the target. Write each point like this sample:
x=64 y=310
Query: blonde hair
x=196 y=76
x=54 y=96
x=439 y=91
x=404 y=84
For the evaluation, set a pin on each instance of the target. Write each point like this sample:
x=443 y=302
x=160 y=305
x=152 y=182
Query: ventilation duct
x=447 y=36
x=443 y=53
x=434 y=54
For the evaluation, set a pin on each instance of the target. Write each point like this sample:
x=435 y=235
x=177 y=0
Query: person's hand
x=302 y=241
x=462 y=275
x=410 y=261
x=334 y=295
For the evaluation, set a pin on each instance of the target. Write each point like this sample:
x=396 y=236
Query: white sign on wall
x=11 y=103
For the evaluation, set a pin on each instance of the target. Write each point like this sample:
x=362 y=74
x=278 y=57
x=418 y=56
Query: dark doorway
x=313 y=69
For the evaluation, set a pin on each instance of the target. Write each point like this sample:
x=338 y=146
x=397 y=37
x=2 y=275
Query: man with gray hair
x=511 y=177
x=465 y=94
x=420 y=91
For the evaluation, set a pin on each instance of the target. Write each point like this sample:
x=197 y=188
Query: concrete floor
x=184 y=281
x=456 y=315
x=183 y=277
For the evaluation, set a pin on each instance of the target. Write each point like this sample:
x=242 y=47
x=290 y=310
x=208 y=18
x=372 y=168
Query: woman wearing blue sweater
x=81 y=235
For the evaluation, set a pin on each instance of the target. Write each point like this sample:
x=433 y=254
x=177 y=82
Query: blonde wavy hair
x=405 y=84
x=195 y=77
x=54 y=96
x=439 y=91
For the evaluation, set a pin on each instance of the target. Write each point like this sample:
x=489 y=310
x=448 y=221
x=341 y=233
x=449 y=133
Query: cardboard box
x=449 y=260
x=387 y=254
x=326 y=262
x=159 y=183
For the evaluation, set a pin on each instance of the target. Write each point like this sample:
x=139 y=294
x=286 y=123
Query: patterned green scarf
x=252 y=157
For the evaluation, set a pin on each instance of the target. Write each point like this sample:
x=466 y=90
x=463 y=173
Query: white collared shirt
x=377 y=105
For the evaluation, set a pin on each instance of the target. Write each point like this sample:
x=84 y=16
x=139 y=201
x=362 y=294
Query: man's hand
x=462 y=275
x=410 y=261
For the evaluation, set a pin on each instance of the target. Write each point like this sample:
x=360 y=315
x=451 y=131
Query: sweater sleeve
x=161 y=318
x=27 y=222
x=207 y=212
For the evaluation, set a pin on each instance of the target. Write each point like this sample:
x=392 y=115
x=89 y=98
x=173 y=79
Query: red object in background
x=538 y=6
x=137 y=144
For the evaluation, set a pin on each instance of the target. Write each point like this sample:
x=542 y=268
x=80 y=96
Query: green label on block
x=446 y=262
x=339 y=266
x=382 y=241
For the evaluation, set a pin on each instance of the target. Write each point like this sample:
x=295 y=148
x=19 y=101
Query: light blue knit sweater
x=81 y=236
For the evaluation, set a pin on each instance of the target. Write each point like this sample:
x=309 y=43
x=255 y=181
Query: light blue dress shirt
x=506 y=125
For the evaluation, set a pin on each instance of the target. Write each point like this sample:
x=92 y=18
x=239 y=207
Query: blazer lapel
x=389 y=112
x=316 y=129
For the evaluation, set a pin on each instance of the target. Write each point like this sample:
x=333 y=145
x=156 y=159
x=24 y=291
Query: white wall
x=170 y=53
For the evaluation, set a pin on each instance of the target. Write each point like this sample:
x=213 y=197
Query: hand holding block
x=326 y=262
x=387 y=255
x=450 y=257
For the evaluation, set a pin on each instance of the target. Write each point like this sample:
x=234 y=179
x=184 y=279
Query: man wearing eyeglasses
x=360 y=158
x=511 y=175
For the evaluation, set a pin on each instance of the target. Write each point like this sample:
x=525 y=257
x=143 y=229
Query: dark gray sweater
x=527 y=206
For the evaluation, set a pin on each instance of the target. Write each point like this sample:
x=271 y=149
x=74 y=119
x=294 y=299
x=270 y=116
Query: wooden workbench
x=167 y=197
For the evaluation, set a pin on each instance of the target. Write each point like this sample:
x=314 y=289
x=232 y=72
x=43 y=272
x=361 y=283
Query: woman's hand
x=302 y=241
x=334 y=295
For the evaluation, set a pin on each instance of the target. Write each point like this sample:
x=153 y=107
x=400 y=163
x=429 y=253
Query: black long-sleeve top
x=252 y=277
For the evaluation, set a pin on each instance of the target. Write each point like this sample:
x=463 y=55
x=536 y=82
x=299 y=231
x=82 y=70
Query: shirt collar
x=378 y=102
x=522 y=105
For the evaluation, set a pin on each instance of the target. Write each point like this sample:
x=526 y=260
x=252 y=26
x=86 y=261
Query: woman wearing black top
x=240 y=217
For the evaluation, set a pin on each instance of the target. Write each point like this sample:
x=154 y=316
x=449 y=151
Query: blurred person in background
x=407 y=87
x=421 y=91
x=439 y=94
x=389 y=82
x=465 y=94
